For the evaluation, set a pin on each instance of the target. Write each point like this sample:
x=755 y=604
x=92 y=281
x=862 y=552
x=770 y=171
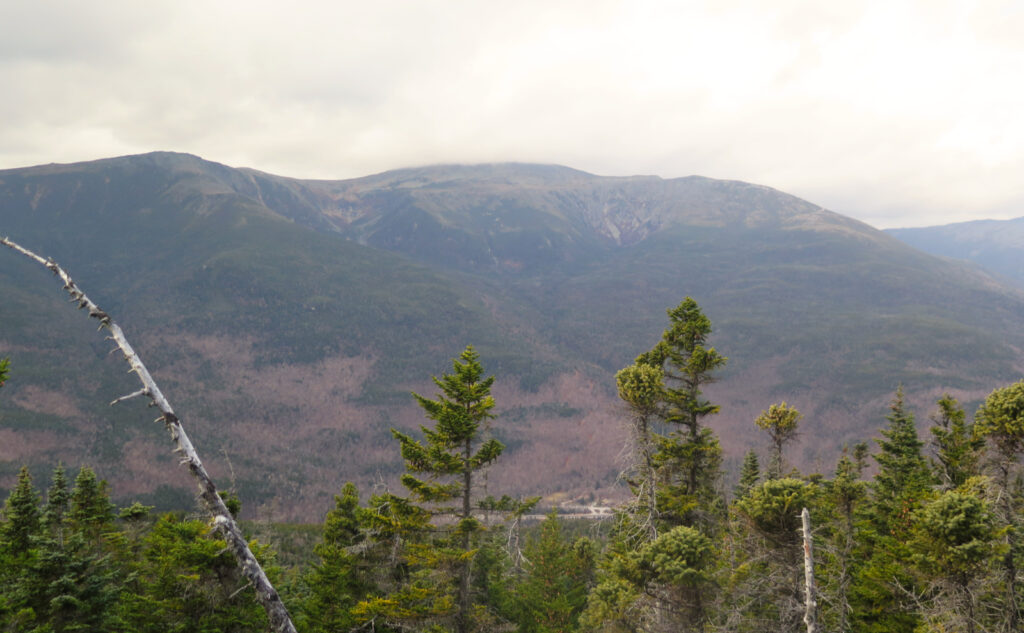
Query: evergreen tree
x=414 y=592
x=20 y=524
x=844 y=496
x=904 y=478
x=21 y=517
x=453 y=452
x=187 y=582
x=780 y=422
x=553 y=592
x=689 y=458
x=58 y=499
x=342 y=578
x=640 y=386
x=750 y=473
x=1000 y=420
x=772 y=511
x=72 y=582
x=954 y=544
x=901 y=486
x=956 y=446
x=91 y=511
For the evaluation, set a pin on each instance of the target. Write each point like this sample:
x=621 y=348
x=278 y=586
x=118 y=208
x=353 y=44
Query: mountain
x=997 y=245
x=288 y=320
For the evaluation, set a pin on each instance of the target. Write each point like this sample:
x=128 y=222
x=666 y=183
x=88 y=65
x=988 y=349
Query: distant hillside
x=997 y=245
x=289 y=319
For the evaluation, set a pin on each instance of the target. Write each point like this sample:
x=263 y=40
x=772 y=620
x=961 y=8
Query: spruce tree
x=904 y=478
x=901 y=486
x=845 y=496
x=187 y=581
x=441 y=470
x=750 y=473
x=553 y=591
x=20 y=523
x=74 y=582
x=91 y=511
x=342 y=577
x=956 y=445
x=771 y=513
x=954 y=542
x=689 y=458
x=21 y=517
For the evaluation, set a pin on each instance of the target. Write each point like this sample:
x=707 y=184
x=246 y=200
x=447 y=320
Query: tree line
x=915 y=535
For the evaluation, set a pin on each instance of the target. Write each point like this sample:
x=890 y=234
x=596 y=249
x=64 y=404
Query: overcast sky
x=896 y=113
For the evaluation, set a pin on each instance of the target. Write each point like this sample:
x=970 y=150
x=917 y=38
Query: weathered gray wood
x=810 y=592
x=223 y=523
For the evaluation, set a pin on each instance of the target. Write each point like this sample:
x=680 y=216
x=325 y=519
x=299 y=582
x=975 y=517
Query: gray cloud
x=898 y=113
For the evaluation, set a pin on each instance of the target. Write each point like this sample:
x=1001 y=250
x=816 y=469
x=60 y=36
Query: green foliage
x=773 y=508
x=21 y=517
x=681 y=557
x=904 y=478
x=452 y=452
x=553 y=591
x=957 y=444
x=954 y=535
x=67 y=578
x=750 y=473
x=341 y=578
x=91 y=510
x=642 y=387
x=689 y=458
x=186 y=581
x=780 y=421
x=901 y=486
x=460 y=411
x=1001 y=419
x=5 y=367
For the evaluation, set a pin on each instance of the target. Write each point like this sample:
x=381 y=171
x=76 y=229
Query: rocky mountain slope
x=288 y=320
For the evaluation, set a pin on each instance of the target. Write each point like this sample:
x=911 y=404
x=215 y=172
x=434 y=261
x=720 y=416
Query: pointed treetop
x=21 y=515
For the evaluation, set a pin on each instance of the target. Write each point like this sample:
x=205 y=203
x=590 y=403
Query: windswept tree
x=441 y=468
x=675 y=477
x=780 y=421
x=1000 y=419
x=774 y=586
x=690 y=457
x=641 y=387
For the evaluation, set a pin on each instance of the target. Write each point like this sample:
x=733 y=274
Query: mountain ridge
x=311 y=308
x=995 y=245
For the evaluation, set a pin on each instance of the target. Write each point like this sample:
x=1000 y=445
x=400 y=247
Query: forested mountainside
x=997 y=245
x=289 y=320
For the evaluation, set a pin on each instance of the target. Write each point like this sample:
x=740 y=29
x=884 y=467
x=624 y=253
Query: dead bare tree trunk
x=810 y=593
x=223 y=522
